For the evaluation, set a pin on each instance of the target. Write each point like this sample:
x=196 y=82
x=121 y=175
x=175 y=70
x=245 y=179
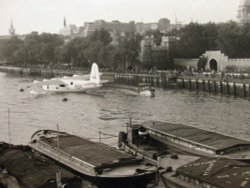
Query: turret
x=11 y=29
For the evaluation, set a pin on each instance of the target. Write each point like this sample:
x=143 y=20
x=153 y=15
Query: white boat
x=146 y=89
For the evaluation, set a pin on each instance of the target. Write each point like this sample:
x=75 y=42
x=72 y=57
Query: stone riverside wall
x=223 y=62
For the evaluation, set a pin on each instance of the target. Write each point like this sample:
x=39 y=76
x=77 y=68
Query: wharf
x=228 y=85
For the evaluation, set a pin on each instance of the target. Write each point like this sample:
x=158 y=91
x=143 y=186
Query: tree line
x=51 y=50
x=230 y=38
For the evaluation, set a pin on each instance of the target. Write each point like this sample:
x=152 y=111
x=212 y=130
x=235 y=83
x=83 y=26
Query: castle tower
x=64 y=22
x=244 y=11
x=11 y=29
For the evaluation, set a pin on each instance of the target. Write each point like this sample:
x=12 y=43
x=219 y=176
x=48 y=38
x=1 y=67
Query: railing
x=63 y=157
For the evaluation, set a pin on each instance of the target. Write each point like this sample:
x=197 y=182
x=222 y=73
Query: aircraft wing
x=104 y=81
x=50 y=82
x=77 y=77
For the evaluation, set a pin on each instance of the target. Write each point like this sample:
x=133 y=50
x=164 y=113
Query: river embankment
x=234 y=84
x=50 y=73
x=228 y=84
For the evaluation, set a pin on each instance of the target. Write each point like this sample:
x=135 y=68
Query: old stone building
x=160 y=56
x=214 y=60
x=244 y=11
x=68 y=30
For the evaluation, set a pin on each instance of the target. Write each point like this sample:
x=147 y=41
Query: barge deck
x=197 y=141
x=101 y=163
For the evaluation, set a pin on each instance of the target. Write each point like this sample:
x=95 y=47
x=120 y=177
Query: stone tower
x=64 y=22
x=12 y=29
x=244 y=11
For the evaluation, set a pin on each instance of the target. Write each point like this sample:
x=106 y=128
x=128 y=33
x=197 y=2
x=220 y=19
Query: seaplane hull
x=74 y=84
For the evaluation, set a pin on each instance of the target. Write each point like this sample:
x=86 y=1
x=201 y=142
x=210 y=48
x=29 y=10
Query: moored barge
x=106 y=166
x=183 y=139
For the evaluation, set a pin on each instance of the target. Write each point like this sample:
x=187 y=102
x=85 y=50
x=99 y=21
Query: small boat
x=146 y=89
x=104 y=165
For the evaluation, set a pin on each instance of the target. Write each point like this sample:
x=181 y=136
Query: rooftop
x=29 y=169
x=85 y=150
x=218 y=172
x=214 y=141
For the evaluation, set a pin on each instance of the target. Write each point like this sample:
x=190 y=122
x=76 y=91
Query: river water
x=108 y=110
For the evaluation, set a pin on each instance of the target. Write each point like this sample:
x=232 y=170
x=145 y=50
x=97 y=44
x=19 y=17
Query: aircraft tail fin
x=95 y=74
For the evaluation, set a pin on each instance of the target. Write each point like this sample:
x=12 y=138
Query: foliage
x=128 y=48
x=202 y=63
x=12 y=48
x=234 y=40
x=195 y=39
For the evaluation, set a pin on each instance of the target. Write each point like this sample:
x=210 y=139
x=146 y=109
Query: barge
x=182 y=139
x=188 y=156
x=21 y=168
x=104 y=165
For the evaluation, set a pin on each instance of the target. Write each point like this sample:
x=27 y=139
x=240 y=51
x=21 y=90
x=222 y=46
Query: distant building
x=142 y=28
x=12 y=31
x=68 y=30
x=115 y=28
x=244 y=11
x=163 y=25
x=160 y=56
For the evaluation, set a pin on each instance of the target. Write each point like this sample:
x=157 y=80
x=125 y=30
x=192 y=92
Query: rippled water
x=108 y=110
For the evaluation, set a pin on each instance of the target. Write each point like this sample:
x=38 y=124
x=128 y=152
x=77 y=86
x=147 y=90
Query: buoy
x=21 y=90
x=65 y=99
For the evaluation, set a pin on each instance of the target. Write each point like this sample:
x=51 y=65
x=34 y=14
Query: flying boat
x=76 y=83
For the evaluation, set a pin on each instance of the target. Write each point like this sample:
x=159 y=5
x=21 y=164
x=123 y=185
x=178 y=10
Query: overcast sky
x=47 y=15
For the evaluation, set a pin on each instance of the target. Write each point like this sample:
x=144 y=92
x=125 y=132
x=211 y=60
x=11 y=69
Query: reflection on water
x=108 y=110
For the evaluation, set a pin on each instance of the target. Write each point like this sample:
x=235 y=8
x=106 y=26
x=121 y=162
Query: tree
x=101 y=35
x=195 y=39
x=128 y=47
x=234 y=39
x=11 y=47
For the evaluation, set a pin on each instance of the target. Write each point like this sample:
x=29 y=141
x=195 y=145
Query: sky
x=47 y=15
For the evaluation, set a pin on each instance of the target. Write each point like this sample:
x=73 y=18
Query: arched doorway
x=213 y=65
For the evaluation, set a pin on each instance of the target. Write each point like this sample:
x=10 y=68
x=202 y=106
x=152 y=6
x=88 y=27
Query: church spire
x=12 y=29
x=64 y=22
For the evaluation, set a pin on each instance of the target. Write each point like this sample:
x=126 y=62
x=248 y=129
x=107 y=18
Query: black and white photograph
x=124 y=94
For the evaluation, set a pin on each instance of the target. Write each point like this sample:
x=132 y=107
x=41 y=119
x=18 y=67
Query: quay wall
x=39 y=71
x=188 y=63
x=49 y=73
x=234 y=87
x=215 y=58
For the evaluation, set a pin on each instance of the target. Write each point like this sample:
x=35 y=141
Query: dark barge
x=106 y=166
x=190 y=157
x=178 y=138
x=21 y=168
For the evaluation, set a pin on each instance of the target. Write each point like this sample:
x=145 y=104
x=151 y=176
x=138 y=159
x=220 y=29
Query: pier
x=160 y=81
x=217 y=85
